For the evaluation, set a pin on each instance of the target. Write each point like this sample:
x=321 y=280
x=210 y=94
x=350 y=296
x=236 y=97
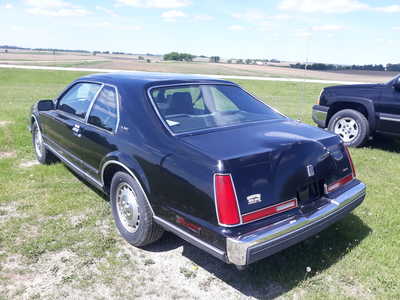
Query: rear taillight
x=225 y=200
x=342 y=181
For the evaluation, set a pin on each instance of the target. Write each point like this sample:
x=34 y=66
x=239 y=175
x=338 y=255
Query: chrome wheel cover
x=347 y=128
x=127 y=207
x=38 y=143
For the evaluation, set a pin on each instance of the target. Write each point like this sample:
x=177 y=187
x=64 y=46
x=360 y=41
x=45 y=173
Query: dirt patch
x=5 y=123
x=10 y=210
x=8 y=154
x=171 y=269
x=28 y=164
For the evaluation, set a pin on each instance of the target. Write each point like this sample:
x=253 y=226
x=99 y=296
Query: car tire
x=351 y=126
x=132 y=212
x=44 y=156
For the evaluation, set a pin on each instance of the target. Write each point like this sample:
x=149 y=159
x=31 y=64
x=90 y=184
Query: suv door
x=388 y=108
x=63 y=125
x=98 y=134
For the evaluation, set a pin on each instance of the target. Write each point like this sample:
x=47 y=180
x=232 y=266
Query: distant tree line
x=332 y=67
x=179 y=56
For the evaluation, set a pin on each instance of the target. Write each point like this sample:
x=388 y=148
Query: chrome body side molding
x=218 y=253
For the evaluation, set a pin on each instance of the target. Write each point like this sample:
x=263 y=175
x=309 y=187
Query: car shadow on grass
x=386 y=143
x=279 y=273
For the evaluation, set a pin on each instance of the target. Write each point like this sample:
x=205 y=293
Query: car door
x=98 y=134
x=388 y=108
x=63 y=125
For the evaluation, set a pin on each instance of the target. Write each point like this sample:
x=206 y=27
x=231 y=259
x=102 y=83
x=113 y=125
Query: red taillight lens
x=333 y=186
x=225 y=199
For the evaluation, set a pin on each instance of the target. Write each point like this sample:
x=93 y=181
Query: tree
x=140 y=58
x=239 y=61
x=179 y=56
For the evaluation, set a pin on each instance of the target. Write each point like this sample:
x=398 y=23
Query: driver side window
x=77 y=99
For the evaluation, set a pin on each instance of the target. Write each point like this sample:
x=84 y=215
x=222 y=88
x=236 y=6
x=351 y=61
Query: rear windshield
x=196 y=107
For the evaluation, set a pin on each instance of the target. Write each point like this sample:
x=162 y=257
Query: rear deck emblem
x=310 y=170
x=252 y=199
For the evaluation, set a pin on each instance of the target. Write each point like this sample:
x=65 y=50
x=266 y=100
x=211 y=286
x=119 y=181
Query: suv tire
x=351 y=126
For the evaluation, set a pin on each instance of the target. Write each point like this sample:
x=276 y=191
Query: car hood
x=355 y=90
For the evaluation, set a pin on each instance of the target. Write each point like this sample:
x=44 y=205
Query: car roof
x=149 y=78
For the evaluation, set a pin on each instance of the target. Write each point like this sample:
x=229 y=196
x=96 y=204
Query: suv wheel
x=43 y=155
x=131 y=211
x=351 y=126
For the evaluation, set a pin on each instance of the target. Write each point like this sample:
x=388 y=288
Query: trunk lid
x=275 y=161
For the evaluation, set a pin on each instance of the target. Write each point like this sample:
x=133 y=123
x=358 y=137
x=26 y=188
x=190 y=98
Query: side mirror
x=45 y=105
x=396 y=84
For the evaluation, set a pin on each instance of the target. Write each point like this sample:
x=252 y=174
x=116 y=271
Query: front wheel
x=351 y=126
x=131 y=211
x=43 y=155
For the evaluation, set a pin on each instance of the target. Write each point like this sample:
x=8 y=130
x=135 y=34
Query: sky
x=329 y=31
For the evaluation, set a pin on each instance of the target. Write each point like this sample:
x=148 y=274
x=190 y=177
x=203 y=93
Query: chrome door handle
x=77 y=130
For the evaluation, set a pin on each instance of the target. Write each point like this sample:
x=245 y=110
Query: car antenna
x=308 y=36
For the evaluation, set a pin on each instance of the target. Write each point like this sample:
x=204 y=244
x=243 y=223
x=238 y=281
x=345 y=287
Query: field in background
x=131 y=62
x=57 y=237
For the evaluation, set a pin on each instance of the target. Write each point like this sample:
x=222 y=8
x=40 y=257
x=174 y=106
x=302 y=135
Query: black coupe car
x=199 y=157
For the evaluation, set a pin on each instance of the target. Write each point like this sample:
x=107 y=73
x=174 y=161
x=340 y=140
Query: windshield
x=196 y=107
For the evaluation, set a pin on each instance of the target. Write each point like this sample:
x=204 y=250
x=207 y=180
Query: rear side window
x=104 y=110
x=77 y=99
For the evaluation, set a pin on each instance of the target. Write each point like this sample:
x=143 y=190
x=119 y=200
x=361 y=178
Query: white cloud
x=203 y=18
x=106 y=11
x=48 y=3
x=172 y=15
x=17 y=28
x=303 y=34
x=396 y=28
x=155 y=3
x=328 y=28
x=236 y=27
x=109 y=25
x=333 y=6
x=250 y=15
x=55 y=8
x=389 y=9
x=8 y=6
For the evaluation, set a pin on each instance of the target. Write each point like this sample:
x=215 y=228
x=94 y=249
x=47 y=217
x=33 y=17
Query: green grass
x=47 y=209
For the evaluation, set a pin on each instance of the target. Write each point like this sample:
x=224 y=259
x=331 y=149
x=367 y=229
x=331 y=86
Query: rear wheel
x=131 y=211
x=43 y=155
x=351 y=126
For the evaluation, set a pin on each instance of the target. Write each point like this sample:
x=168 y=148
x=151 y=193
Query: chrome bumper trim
x=319 y=115
x=238 y=247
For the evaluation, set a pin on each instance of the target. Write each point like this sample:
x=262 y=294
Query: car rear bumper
x=266 y=241
x=319 y=115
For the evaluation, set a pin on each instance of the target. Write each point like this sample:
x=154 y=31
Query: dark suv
x=357 y=112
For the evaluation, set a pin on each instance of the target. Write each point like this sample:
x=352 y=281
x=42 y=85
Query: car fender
x=367 y=103
x=130 y=164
